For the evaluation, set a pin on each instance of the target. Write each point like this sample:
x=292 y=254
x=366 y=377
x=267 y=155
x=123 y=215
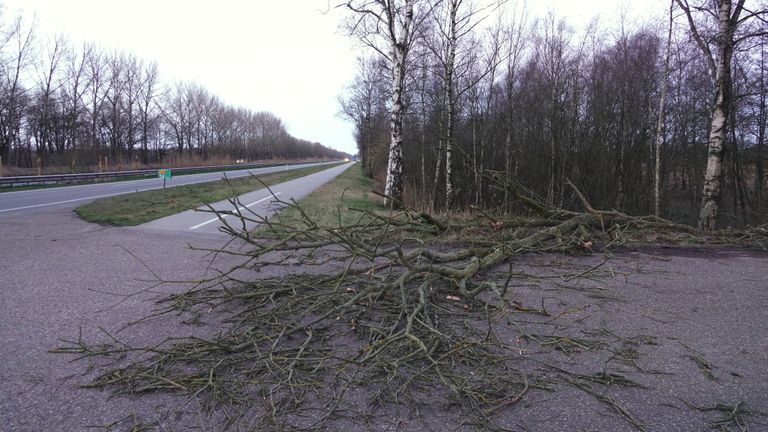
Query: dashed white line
x=115 y=184
x=240 y=208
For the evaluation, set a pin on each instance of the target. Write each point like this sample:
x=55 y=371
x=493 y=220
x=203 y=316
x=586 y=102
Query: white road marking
x=125 y=183
x=180 y=181
x=266 y=170
x=240 y=208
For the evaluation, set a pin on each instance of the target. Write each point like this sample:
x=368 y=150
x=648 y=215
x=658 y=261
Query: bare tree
x=586 y=107
x=19 y=36
x=762 y=125
x=718 y=49
x=386 y=26
x=86 y=106
x=557 y=65
x=98 y=88
x=114 y=119
x=268 y=132
x=514 y=53
x=360 y=104
x=132 y=81
x=660 y=124
x=175 y=114
x=146 y=103
x=44 y=108
x=454 y=21
x=74 y=86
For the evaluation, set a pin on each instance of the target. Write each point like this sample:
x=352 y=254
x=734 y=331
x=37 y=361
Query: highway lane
x=259 y=202
x=70 y=196
x=64 y=278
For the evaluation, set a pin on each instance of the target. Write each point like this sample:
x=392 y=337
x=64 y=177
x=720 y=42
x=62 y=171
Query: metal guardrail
x=73 y=178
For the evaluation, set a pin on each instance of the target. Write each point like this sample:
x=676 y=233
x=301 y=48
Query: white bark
x=713 y=175
x=721 y=68
x=400 y=43
x=438 y=167
x=385 y=27
x=450 y=102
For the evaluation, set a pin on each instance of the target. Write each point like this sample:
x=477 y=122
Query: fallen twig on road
x=381 y=317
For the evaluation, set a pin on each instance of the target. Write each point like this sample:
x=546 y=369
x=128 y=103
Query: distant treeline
x=82 y=106
x=496 y=98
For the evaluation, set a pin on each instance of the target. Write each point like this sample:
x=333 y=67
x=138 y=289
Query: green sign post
x=165 y=173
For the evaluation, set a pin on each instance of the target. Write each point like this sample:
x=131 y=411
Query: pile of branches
x=381 y=322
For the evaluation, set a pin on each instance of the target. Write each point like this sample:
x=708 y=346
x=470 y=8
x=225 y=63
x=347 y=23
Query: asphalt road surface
x=28 y=201
x=63 y=278
x=260 y=202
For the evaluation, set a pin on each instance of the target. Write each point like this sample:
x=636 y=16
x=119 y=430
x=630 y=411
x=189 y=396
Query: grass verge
x=140 y=207
x=330 y=204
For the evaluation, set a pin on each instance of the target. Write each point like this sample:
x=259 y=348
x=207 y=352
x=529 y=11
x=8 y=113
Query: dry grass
x=141 y=207
x=338 y=202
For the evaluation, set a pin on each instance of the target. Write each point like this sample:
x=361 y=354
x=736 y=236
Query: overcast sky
x=283 y=56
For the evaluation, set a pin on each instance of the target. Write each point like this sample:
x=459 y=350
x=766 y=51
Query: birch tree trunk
x=438 y=167
x=394 y=183
x=450 y=102
x=713 y=176
x=386 y=25
x=720 y=66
